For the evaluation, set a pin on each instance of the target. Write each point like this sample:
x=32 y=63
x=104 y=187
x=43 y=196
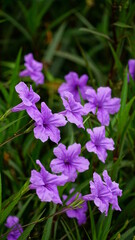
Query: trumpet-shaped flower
x=104 y=193
x=28 y=97
x=78 y=213
x=47 y=124
x=16 y=231
x=73 y=110
x=68 y=161
x=74 y=85
x=46 y=184
x=33 y=69
x=103 y=103
x=99 y=143
x=113 y=187
x=131 y=67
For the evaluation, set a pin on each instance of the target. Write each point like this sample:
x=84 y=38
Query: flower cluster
x=68 y=161
x=16 y=229
x=104 y=192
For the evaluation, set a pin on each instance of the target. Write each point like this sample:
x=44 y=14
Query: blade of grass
x=93 y=226
x=0 y=192
x=125 y=235
x=48 y=225
x=28 y=230
x=16 y=24
x=14 y=79
x=96 y=33
x=67 y=230
x=77 y=231
x=4 y=213
x=52 y=47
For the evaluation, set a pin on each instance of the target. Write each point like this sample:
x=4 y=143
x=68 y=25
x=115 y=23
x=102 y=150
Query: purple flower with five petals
x=131 y=66
x=74 y=84
x=104 y=193
x=29 y=98
x=33 y=69
x=113 y=187
x=47 y=123
x=74 y=110
x=68 y=161
x=16 y=231
x=99 y=194
x=78 y=213
x=103 y=103
x=46 y=184
x=99 y=143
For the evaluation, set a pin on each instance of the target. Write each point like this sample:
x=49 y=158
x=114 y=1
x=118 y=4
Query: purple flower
x=131 y=66
x=74 y=110
x=68 y=161
x=113 y=187
x=29 y=98
x=46 y=184
x=99 y=143
x=78 y=213
x=103 y=103
x=16 y=231
x=104 y=193
x=47 y=124
x=99 y=194
x=33 y=69
x=74 y=85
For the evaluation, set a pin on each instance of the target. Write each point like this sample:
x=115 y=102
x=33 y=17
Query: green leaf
x=52 y=47
x=10 y=124
x=116 y=58
x=77 y=231
x=4 y=213
x=107 y=225
x=4 y=91
x=24 y=206
x=28 y=230
x=124 y=116
x=122 y=25
x=16 y=24
x=93 y=227
x=48 y=225
x=68 y=230
x=0 y=191
x=96 y=33
x=127 y=234
x=124 y=92
x=14 y=79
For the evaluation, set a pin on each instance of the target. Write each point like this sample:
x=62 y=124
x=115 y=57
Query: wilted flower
x=74 y=85
x=46 y=184
x=104 y=193
x=103 y=103
x=16 y=231
x=131 y=66
x=68 y=161
x=99 y=143
x=79 y=212
x=33 y=69
x=29 y=98
x=47 y=124
x=74 y=110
